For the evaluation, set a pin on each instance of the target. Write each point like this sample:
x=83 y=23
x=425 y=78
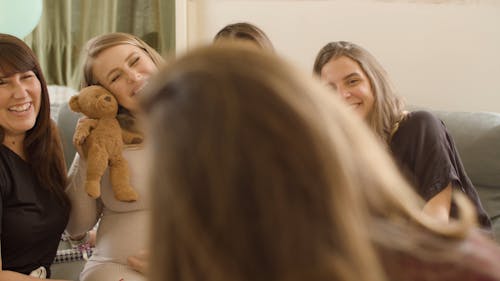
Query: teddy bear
x=102 y=141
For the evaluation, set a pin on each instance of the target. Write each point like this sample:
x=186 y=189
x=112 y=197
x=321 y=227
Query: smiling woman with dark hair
x=33 y=208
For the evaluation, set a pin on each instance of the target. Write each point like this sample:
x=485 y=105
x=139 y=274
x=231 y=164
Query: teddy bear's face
x=95 y=102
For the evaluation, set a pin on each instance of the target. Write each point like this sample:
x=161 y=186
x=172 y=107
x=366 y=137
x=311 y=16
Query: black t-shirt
x=427 y=156
x=33 y=219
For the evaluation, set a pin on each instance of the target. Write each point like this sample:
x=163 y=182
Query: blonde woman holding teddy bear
x=121 y=63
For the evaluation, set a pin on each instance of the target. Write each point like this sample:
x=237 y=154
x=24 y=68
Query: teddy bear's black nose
x=108 y=98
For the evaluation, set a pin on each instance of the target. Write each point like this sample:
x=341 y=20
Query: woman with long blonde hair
x=122 y=63
x=419 y=142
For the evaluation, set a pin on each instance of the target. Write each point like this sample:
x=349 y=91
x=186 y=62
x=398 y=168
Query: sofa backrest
x=58 y=96
x=477 y=137
x=66 y=123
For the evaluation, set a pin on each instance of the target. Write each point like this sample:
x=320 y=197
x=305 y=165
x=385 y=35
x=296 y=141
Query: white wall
x=443 y=56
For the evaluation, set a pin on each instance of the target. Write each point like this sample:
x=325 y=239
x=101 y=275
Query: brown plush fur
x=103 y=141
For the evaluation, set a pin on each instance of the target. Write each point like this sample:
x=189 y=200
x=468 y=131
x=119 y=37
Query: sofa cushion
x=58 y=96
x=66 y=123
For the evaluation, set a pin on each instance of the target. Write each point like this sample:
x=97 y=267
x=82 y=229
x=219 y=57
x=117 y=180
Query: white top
x=124 y=226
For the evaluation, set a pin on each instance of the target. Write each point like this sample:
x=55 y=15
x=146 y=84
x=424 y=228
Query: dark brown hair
x=239 y=176
x=42 y=144
x=245 y=32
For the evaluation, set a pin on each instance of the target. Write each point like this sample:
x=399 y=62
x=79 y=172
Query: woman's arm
x=439 y=205
x=85 y=211
x=7 y=275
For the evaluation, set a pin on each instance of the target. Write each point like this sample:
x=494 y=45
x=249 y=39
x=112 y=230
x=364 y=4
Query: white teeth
x=21 y=107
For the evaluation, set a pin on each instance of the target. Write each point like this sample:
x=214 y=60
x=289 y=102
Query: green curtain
x=66 y=25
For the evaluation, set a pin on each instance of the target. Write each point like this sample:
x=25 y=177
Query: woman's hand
x=82 y=131
x=139 y=262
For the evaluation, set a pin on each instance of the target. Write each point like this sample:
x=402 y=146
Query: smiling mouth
x=354 y=105
x=140 y=89
x=21 y=107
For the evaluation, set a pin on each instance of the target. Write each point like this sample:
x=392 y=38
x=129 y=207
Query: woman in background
x=246 y=32
x=419 y=141
x=122 y=63
x=259 y=175
x=33 y=207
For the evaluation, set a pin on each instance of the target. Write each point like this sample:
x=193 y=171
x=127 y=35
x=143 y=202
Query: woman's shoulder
x=421 y=123
x=419 y=130
x=10 y=161
x=421 y=117
x=14 y=171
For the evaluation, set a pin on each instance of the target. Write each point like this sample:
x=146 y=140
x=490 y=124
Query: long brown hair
x=258 y=174
x=239 y=176
x=42 y=144
x=245 y=31
x=388 y=106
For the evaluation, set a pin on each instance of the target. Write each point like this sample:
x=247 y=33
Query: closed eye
x=115 y=77
x=352 y=82
x=27 y=76
x=135 y=61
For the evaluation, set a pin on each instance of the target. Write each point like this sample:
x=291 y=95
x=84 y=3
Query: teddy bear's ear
x=74 y=105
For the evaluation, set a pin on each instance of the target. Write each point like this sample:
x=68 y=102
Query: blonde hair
x=243 y=31
x=102 y=42
x=258 y=174
x=388 y=107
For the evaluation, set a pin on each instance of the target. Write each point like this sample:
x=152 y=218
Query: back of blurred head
x=244 y=32
x=258 y=174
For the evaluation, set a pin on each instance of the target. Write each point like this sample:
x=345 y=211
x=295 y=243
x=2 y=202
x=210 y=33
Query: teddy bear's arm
x=131 y=138
x=83 y=129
